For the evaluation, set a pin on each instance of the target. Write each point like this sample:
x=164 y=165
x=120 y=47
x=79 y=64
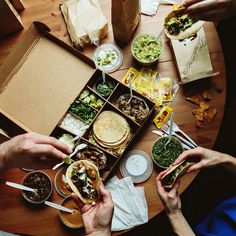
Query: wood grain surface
x=19 y=217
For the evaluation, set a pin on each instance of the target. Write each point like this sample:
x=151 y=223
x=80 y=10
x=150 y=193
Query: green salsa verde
x=165 y=156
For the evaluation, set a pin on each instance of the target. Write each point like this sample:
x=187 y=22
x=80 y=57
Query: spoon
x=170 y=129
x=103 y=77
x=156 y=38
x=130 y=88
x=58 y=207
x=77 y=148
x=21 y=187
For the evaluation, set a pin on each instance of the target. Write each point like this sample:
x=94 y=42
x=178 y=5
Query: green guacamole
x=146 y=48
x=165 y=156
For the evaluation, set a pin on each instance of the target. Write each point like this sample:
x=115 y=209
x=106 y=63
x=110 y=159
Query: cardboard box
x=40 y=79
x=43 y=77
x=10 y=20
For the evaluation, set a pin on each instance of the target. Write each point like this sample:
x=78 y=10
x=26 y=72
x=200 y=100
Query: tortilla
x=110 y=127
x=185 y=33
x=85 y=170
x=174 y=173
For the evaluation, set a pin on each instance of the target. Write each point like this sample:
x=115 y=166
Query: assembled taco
x=174 y=173
x=178 y=25
x=84 y=179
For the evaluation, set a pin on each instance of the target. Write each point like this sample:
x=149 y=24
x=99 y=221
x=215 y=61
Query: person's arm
x=206 y=158
x=172 y=204
x=97 y=218
x=211 y=10
x=29 y=149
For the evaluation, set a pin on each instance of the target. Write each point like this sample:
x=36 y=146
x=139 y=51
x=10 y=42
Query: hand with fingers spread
x=97 y=218
x=211 y=10
x=206 y=159
x=28 y=149
x=172 y=204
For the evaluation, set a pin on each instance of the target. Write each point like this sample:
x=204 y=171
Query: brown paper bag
x=193 y=58
x=125 y=18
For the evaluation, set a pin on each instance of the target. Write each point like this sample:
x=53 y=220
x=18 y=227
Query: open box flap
x=40 y=80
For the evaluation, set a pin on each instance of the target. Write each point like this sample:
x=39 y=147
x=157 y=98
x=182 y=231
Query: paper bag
x=125 y=18
x=192 y=58
x=85 y=21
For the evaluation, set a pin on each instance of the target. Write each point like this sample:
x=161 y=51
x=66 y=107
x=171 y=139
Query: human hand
x=211 y=10
x=171 y=199
x=206 y=158
x=97 y=218
x=28 y=149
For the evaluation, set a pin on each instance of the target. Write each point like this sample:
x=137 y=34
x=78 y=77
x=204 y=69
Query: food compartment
x=73 y=124
x=102 y=159
x=103 y=88
x=87 y=96
x=112 y=131
x=137 y=108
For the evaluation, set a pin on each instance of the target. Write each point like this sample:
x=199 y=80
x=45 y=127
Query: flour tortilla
x=97 y=181
x=189 y=32
x=110 y=127
x=171 y=171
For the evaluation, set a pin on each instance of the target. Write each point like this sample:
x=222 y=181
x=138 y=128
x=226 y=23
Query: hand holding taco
x=84 y=179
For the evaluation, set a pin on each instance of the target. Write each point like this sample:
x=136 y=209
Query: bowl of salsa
x=165 y=155
x=73 y=220
x=41 y=182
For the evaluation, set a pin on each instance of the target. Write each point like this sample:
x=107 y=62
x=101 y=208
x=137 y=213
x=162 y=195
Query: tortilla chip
x=198 y=113
x=210 y=114
x=204 y=105
x=195 y=99
x=206 y=95
x=199 y=124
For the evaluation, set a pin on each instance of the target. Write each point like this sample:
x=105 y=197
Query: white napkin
x=149 y=7
x=130 y=205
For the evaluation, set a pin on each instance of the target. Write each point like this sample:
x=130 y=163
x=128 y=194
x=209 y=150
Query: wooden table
x=16 y=215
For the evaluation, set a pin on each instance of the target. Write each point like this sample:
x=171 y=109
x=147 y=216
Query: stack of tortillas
x=111 y=130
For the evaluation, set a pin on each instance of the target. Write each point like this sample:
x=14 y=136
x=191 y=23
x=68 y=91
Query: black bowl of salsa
x=41 y=182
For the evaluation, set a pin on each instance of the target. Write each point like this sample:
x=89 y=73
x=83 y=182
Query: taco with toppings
x=178 y=25
x=174 y=173
x=84 y=179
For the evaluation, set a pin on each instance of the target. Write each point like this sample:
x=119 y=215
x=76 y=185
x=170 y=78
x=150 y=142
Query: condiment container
x=165 y=155
x=146 y=48
x=73 y=220
x=41 y=182
x=60 y=183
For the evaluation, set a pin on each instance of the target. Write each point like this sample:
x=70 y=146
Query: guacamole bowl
x=165 y=155
x=146 y=49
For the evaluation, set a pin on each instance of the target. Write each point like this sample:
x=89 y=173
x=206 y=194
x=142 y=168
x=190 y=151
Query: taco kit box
x=42 y=78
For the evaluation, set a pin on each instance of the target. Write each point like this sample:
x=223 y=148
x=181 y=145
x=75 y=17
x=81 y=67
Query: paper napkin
x=130 y=205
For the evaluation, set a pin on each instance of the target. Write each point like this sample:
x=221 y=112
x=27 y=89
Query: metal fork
x=165 y=128
x=176 y=128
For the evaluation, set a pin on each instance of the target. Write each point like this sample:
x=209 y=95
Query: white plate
x=138 y=165
x=101 y=52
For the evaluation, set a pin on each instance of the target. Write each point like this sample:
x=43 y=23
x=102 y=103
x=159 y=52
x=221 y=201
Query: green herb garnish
x=105 y=89
x=165 y=156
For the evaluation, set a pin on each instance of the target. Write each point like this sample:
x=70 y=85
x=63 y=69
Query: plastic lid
x=138 y=165
x=108 y=57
